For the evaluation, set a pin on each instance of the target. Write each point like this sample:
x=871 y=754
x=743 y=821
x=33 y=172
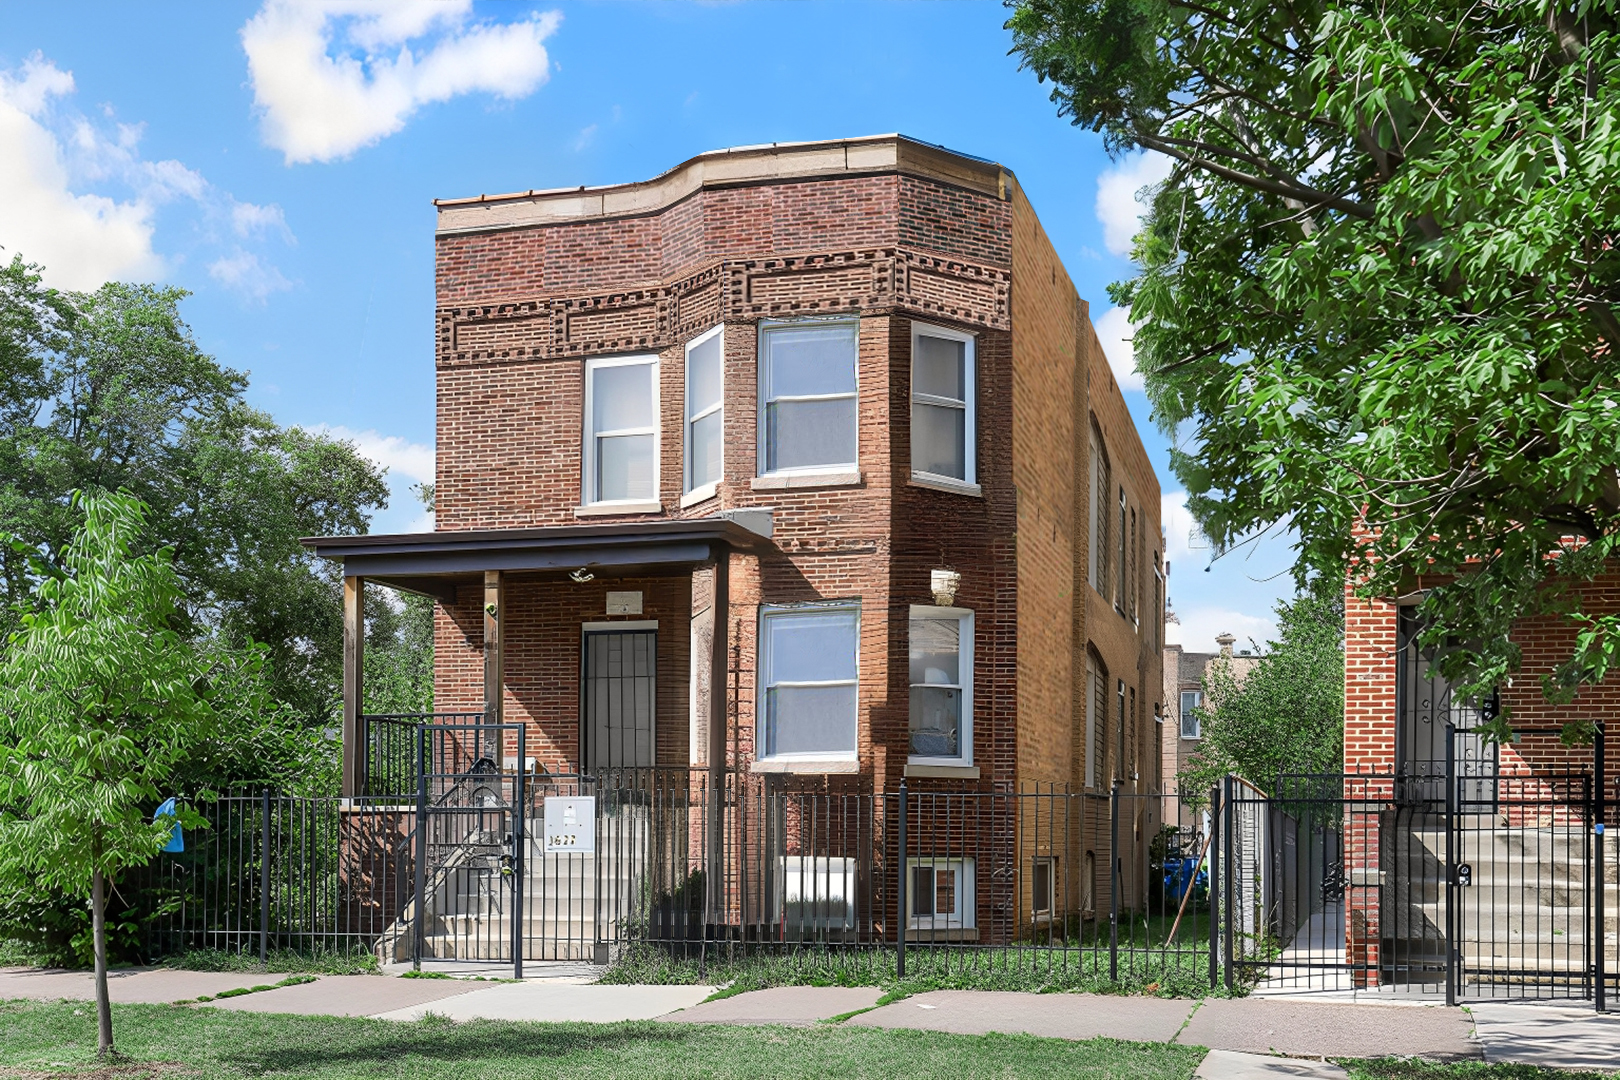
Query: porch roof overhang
x=435 y=563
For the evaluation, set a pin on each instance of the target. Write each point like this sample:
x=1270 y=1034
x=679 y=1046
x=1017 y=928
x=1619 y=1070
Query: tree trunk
x=98 y=922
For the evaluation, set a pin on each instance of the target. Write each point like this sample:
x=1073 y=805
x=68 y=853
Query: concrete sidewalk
x=1256 y=1037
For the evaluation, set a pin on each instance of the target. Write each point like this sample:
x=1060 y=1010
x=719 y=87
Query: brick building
x=799 y=463
x=1184 y=678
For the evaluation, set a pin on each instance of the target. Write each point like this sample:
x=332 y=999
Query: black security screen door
x=618 y=689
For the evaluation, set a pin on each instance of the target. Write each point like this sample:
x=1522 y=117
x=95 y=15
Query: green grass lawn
x=59 y=1038
x=1417 y=1069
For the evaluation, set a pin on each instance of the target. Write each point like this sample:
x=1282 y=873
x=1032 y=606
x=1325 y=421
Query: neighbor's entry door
x=618 y=688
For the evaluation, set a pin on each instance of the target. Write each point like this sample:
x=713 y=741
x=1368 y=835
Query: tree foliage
x=1377 y=295
x=104 y=706
x=109 y=390
x=1285 y=713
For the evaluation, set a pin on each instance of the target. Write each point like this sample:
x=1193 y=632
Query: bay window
x=809 y=659
x=941 y=649
x=621 y=430
x=807 y=396
x=942 y=412
x=705 y=413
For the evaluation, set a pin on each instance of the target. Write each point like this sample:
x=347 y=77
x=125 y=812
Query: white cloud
x=1199 y=625
x=1115 y=331
x=586 y=135
x=1118 y=207
x=81 y=239
x=82 y=202
x=408 y=464
x=332 y=76
x=243 y=272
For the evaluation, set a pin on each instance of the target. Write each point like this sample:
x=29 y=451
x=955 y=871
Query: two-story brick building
x=800 y=463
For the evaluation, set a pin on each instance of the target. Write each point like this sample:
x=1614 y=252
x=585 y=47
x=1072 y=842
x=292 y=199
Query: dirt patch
x=121 y=1070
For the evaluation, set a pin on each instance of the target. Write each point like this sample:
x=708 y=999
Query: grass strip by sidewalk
x=47 y=1038
x=291 y=980
x=1418 y=1069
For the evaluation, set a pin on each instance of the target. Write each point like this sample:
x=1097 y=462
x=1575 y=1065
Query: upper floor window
x=1120 y=557
x=705 y=413
x=1099 y=514
x=621 y=429
x=942 y=420
x=809 y=665
x=942 y=685
x=1191 y=700
x=807 y=394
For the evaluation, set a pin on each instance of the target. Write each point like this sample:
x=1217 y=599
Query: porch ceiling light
x=580 y=576
x=943 y=584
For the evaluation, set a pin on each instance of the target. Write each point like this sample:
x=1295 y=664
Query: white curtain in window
x=810 y=672
x=704 y=417
x=623 y=430
x=809 y=394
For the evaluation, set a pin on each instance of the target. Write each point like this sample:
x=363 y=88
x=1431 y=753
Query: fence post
x=520 y=811
x=1229 y=899
x=1113 y=881
x=418 y=931
x=900 y=913
x=1212 y=886
x=1599 y=934
x=264 y=877
x=1451 y=863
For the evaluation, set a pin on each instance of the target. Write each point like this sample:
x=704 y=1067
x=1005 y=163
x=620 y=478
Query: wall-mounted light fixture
x=943 y=584
x=581 y=576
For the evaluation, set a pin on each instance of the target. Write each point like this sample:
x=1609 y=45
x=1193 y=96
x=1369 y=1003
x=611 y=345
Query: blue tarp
x=177 y=840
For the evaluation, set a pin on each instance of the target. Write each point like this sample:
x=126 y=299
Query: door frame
x=617 y=626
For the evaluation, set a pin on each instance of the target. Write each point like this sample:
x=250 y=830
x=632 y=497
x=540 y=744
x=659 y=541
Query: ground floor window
x=942 y=894
x=808 y=665
x=941 y=646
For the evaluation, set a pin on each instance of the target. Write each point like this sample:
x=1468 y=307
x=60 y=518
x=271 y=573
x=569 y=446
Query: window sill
x=837 y=765
x=697 y=495
x=943 y=772
x=946 y=483
x=792 y=481
x=612 y=509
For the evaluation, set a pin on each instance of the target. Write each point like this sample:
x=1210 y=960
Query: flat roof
x=735 y=166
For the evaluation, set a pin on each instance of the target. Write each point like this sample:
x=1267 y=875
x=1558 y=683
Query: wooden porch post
x=494 y=658
x=354 y=645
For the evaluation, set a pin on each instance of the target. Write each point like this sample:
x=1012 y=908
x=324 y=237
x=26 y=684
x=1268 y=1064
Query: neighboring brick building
x=825 y=425
x=1185 y=674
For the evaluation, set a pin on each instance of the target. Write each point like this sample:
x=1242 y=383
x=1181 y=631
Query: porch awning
x=434 y=563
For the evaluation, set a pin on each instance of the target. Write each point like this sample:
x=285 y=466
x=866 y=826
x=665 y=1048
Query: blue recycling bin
x=1181 y=875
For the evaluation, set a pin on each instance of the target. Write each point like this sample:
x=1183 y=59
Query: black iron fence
x=1324 y=883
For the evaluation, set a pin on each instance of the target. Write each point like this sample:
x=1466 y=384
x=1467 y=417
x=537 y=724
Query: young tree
x=1377 y=294
x=1286 y=713
x=103 y=703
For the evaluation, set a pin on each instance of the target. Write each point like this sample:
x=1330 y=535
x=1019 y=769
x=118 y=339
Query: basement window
x=942 y=420
x=808 y=396
x=621 y=429
x=941 y=894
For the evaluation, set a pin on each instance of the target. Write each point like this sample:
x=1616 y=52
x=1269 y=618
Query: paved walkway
x=1253 y=1038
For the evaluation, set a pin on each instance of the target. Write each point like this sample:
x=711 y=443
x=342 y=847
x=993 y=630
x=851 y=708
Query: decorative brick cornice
x=861 y=282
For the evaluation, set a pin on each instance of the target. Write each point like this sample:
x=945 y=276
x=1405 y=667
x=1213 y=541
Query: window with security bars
x=941 y=893
x=942 y=413
x=621 y=429
x=807 y=391
x=941 y=662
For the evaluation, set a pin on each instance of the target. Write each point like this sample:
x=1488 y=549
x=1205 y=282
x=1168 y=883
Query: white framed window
x=705 y=410
x=942 y=404
x=807 y=396
x=809 y=661
x=621 y=429
x=1043 y=886
x=941 y=646
x=941 y=893
x=1190 y=702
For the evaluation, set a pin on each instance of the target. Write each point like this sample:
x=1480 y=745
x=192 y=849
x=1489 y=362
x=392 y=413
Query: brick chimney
x=1225 y=642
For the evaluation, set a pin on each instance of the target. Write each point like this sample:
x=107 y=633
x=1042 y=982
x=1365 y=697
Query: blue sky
x=279 y=159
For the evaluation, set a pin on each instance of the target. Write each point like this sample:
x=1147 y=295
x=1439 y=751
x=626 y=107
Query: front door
x=1425 y=704
x=618 y=688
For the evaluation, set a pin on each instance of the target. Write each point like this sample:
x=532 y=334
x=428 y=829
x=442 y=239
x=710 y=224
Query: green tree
x=399 y=653
x=109 y=389
x=1285 y=713
x=1376 y=296
x=103 y=704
